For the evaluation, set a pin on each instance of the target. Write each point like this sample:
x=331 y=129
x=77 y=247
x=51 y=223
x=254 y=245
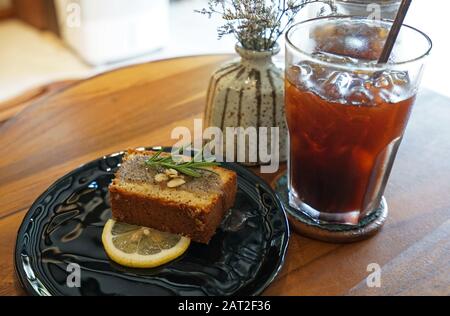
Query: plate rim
x=30 y=290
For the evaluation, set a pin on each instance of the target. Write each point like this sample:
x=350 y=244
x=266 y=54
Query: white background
x=30 y=58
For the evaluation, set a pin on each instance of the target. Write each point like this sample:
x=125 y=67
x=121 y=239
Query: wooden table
x=140 y=105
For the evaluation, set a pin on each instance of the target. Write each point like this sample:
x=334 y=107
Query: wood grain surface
x=140 y=105
x=15 y=105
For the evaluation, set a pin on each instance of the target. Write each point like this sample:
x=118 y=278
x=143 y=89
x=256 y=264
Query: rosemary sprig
x=189 y=168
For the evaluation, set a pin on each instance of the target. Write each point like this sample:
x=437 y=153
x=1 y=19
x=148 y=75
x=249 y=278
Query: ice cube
x=360 y=96
x=383 y=81
x=392 y=86
x=305 y=71
x=400 y=77
x=335 y=86
x=293 y=74
x=300 y=74
x=335 y=58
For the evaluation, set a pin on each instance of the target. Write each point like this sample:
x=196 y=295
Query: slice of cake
x=167 y=200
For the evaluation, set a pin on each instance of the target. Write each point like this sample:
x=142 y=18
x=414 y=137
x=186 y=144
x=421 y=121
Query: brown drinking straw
x=395 y=30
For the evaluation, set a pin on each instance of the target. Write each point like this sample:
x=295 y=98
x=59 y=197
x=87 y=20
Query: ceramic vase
x=249 y=92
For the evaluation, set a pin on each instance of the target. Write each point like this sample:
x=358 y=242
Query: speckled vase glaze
x=248 y=93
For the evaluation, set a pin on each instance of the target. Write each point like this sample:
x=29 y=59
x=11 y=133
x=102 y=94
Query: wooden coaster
x=329 y=232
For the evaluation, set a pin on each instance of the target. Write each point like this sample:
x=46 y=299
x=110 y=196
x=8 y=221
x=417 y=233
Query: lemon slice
x=141 y=247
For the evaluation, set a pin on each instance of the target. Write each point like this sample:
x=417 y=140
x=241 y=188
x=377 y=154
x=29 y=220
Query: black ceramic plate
x=63 y=227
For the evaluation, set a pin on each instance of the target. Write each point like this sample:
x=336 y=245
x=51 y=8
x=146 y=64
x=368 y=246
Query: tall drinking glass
x=346 y=113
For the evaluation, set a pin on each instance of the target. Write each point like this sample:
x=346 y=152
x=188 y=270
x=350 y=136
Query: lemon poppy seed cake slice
x=167 y=200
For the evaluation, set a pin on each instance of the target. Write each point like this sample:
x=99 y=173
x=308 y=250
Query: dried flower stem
x=258 y=24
